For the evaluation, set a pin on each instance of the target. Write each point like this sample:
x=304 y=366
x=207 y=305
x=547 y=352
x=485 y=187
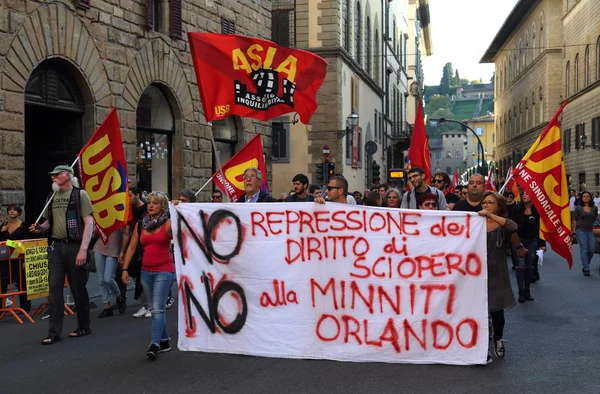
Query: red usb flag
x=254 y=78
x=251 y=155
x=541 y=173
x=418 y=153
x=103 y=170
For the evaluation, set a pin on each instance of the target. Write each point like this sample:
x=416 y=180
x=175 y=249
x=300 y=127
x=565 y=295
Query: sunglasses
x=216 y=197
x=510 y=196
x=464 y=193
x=438 y=180
x=329 y=188
x=430 y=205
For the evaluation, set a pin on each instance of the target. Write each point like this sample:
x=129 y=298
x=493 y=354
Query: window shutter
x=85 y=4
x=227 y=26
x=175 y=19
x=149 y=14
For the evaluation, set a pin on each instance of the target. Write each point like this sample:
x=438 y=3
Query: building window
x=349 y=138
x=479 y=130
x=567 y=141
x=394 y=39
x=360 y=151
x=534 y=45
x=381 y=128
x=281 y=142
x=448 y=155
x=438 y=155
x=368 y=45
x=346 y=24
x=586 y=67
x=377 y=45
x=596 y=131
x=283 y=23
x=225 y=133
x=579 y=131
x=598 y=59
x=375 y=128
x=568 y=79
x=597 y=178
x=582 y=181
x=358 y=35
x=227 y=26
x=576 y=72
x=457 y=155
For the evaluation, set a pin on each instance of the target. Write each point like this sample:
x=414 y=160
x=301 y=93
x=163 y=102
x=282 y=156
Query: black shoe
x=586 y=273
x=164 y=346
x=105 y=313
x=152 y=352
x=521 y=297
x=114 y=307
x=528 y=297
x=121 y=304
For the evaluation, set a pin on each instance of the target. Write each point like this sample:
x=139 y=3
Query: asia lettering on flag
x=254 y=78
x=541 y=173
x=250 y=156
x=418 y=153
x=491 y=181
x=103 y=170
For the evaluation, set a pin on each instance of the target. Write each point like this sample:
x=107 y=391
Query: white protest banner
x=333 y=281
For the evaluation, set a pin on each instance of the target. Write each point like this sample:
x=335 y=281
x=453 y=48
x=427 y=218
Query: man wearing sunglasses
x=441 y=181
x=416 y=176
x=217 y=196
x=336 y=191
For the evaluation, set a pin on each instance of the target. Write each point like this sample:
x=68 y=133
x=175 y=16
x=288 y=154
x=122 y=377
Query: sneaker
x=148 y=314
x=170 y=302
x=499 y=349
x=69 y=301
x=164 y=346
x=141 y=312
x=9 y=303
x=489 y=358
x=152 y=352
x=105 y=313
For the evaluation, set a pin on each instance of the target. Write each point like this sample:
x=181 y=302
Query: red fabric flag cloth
x=541 y=173
x=491 y=181
x=512 y=185
x=103 y=170
x=249 y=77
x=251 y=155
x=454 y=182
x=418 y=153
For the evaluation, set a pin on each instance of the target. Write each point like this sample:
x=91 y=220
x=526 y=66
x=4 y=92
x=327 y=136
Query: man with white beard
x=70 y=222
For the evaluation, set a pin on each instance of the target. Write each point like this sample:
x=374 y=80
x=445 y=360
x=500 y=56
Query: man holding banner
x=70 y=223
x=253 y=178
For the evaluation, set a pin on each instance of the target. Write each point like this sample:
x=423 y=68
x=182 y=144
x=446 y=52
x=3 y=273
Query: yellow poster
x=36 y=268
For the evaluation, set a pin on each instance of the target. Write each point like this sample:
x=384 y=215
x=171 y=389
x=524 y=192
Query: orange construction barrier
x=42 y=307
x=7 y=265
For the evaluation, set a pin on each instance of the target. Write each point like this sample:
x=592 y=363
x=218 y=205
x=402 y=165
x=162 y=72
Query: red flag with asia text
x=251 y=155
x=250 y=77
x=103 y=170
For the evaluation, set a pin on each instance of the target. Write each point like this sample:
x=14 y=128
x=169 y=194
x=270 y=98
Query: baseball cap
x=61 y=168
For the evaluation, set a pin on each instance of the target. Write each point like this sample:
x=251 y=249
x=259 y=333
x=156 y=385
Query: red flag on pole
x=512 y=185
x=491 y=181
x=103 y=171
x=251 y=155
x=254 y=78
x=541 y=173
x=453 y=182
x=418 y=153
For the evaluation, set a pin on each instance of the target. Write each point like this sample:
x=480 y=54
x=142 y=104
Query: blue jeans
x=587 y=246
x=157 y=286
x=106 y=267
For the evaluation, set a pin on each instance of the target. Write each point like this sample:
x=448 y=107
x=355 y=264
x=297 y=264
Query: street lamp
x=583 y=139
x=351 y=123
x=465 y=126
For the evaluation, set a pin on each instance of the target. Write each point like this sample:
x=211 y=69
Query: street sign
x=370 y=148
x=325 y=151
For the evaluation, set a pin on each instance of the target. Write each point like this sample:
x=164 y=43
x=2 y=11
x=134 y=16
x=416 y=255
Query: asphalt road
x=552 y=347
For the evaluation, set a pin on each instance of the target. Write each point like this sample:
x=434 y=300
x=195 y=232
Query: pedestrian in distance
x=428 y=201
x=315 y=191
x=300 y=192
x=70 y=224
x=337 y=190
x=158 y=269
x=583 y=226
x=107 y=262
x=217 y=196
x=373 y=199
x=416 y=176
x=441 y=181
x=499 y=231
x=186 y=195
x=392 y=198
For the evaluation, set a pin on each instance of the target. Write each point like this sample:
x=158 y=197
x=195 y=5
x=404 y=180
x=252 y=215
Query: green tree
x=463 y=82
x=446 y=82
x=456 y=78
x=438 y=102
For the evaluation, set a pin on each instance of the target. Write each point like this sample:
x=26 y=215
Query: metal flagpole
x=214 y=144
x=505 y=183
x=53 y=194
x=203 y=186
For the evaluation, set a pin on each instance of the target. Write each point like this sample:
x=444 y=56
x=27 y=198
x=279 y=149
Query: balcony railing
x=401 y=130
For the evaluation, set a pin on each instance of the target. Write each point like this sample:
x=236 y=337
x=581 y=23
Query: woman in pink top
x=158 y=268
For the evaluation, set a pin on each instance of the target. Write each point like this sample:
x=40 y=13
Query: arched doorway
x=54 y=127
x=155 y=124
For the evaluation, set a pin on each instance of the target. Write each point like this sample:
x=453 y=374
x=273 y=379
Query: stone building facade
x=528 y=58
x=581 y=86
x=65 y=64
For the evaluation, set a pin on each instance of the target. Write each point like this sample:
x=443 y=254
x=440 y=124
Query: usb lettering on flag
x=541 y=173
x=103 y=170
x=332 y=281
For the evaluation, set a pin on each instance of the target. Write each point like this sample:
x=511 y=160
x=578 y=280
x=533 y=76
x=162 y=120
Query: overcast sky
x=461 y=31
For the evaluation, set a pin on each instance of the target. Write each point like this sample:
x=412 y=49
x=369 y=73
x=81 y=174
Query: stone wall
x=117 y=58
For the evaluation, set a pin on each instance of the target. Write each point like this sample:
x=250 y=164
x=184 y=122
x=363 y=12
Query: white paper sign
x=339 y=282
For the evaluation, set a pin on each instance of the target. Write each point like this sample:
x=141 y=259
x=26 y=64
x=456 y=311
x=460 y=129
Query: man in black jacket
x=253 y=179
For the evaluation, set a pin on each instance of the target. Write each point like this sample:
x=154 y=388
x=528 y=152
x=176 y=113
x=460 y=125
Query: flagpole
x=214 y=144
x=203 y=186
x=506 y=182
x=53 y=194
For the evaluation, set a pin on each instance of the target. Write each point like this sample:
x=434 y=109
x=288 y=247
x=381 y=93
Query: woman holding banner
x=158 y=268
x=500 y=295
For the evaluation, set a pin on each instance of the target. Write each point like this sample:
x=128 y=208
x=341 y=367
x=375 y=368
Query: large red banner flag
x=418 y=153
x=251 y=155
x=250 y=77
x=103 y=170
x=541 y=174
